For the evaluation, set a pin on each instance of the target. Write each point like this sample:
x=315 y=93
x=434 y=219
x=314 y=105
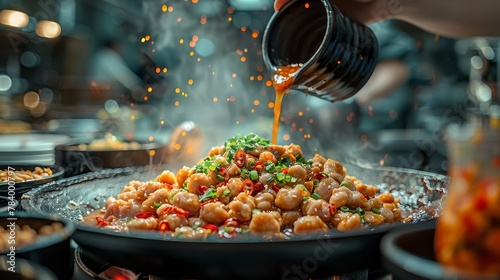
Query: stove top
x=87 y=269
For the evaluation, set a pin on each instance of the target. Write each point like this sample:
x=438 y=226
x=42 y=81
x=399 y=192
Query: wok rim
x=27 y=204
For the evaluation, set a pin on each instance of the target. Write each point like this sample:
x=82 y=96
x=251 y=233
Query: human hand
x=365 y=11
x=465 y=18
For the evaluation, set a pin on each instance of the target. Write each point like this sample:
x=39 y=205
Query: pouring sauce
x=282 y=81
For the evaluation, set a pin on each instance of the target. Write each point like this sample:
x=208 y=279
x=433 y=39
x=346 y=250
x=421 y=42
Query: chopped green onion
x=212 y=167
x=300 y=158
x=376 y=210
x=305 y=198
x=226 y=193
x=360 y=211
x=253 y=175
x=270 y=167
x=344 y=185
x=245 y=230
x=316 y=196
x=285 y=162
x=315 y=182
x=157 y=204
x=172 y=195
x=228 y=229
x=220 y=177
x=280 y=176
x=255 y=211
x=345 y=209
x=209 y=194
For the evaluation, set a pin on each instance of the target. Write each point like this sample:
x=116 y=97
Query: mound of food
x=248 y=186
x=11 y=175
x=109 y=142
x=25 y=235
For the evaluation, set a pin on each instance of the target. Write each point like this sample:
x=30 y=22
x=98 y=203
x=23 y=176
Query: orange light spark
x=203 y=20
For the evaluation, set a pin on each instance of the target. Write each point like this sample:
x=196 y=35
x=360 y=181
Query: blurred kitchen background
x=138 y=69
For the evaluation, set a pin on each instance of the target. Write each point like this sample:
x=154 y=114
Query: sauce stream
x=282 y=81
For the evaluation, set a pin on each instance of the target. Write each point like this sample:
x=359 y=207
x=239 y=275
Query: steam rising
x=210 y=63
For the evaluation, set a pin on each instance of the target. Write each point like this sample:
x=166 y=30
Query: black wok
x=299 y=258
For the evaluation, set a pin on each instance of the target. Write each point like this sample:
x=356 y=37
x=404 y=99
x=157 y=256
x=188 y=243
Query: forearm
x=458 y=18
x=454 y=18
x=387 y=77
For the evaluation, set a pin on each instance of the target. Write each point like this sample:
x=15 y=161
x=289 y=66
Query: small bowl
x=16 y=189
x=24 y=270
x=409 y=255
x=52 y=251
x=76 y=161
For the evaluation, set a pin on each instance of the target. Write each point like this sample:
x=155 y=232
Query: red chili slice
x=275 y=188
x=202 y=189
x=318 y=176
x=481 y=203
x=259 y=167
x=164 y=226
x=240 y=157
x=223 y=172
x=144 y=215
x=257 y=187
x=232 y=222
x=284 y=170
x=211 y=227
x=181 y=211
x=101 y=222
x=167 y=210
x=495 y=162
x=208 y=201
x=168 y=186
x=230 y=230
x=248 y=186
x=332 y=208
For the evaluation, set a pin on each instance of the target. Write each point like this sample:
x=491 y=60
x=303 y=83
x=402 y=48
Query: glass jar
x=467 y=234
